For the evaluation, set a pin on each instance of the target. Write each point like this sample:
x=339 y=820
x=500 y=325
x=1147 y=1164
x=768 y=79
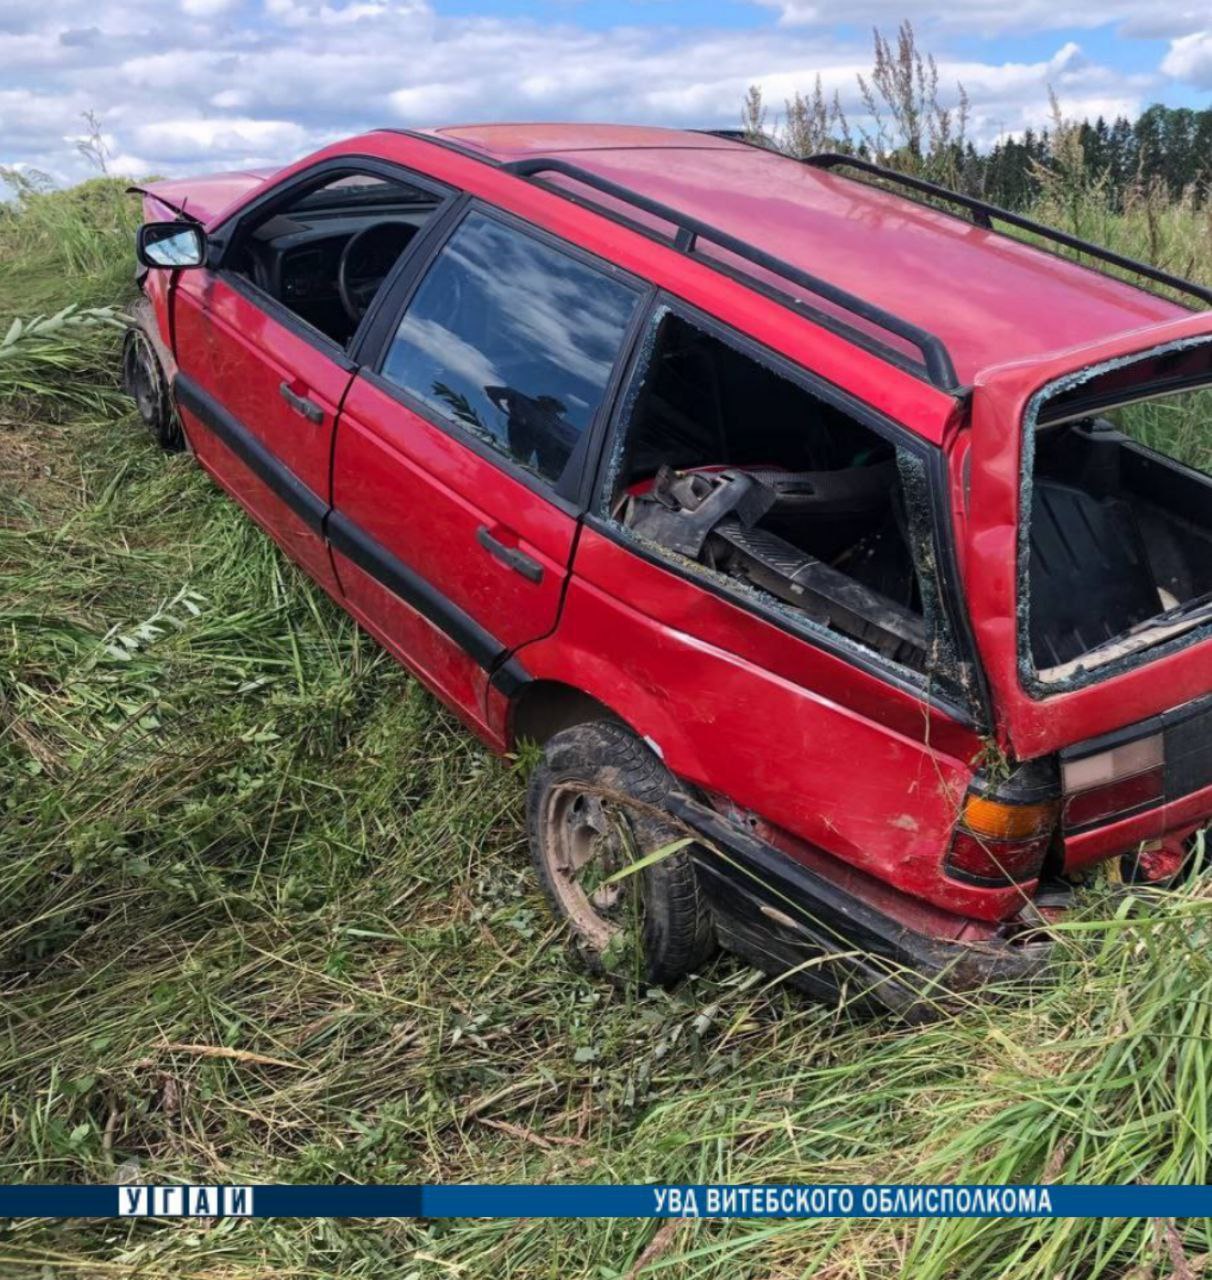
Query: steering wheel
x=368 y=256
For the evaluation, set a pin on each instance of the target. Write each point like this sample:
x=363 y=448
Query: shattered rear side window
x=1179 y=426
x=740 y=474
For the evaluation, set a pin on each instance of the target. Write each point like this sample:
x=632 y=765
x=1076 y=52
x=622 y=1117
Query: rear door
x=462 y=447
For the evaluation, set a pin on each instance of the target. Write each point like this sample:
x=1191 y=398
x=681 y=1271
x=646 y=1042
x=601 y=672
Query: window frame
x=977 y=711
x=571 y=492
x=229 y=234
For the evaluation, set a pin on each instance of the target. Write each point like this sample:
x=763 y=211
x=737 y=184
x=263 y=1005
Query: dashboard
x=299 y=259
x=295 y=258
x=309 y=271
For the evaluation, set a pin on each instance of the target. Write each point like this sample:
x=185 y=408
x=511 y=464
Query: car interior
x=1120 y=517
x=325 y=254
x=730 y=464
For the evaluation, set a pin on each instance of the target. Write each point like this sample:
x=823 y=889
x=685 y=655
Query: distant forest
x=1166 y=152
x=1167 y=146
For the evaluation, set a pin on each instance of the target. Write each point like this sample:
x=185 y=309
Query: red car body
x=812 y=767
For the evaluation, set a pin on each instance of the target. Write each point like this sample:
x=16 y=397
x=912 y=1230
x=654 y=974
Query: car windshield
x=1119 y=529
x=360 y=190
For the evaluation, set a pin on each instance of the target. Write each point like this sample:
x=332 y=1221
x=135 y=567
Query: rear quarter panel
x=737 y=706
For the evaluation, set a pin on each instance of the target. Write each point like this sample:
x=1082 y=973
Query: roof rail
x=936 y=359
x=984 y=214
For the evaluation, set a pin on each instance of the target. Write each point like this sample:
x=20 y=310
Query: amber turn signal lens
x=997 y=820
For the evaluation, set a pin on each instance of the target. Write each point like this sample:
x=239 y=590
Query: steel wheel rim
x=587 y=839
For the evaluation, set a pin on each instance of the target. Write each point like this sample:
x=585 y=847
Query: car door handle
x=301 y=404
x=517 y=560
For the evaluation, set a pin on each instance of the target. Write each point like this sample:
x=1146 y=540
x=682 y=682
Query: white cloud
x=994 y=17
x=434 y=101
x=236 y=82
x=198 y=139
x=297 y=13
x=207 y=8
x=1166 y=21
x=1190 y=59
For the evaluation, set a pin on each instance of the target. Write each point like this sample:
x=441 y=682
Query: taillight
x=1114 y=783
x=1004 y=830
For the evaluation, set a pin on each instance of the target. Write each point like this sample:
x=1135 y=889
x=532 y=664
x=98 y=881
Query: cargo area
x=1119 y=549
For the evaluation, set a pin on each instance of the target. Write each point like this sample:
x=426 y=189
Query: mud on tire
x=578 y=817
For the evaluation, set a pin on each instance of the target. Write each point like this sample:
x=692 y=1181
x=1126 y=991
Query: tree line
x=1166 y=153
x=1166 y=148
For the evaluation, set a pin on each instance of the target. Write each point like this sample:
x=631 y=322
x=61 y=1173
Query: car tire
x=144 y=381
x=593 y=795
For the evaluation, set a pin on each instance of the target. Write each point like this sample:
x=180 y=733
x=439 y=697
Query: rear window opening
x=728 y=465
x=1118 y=546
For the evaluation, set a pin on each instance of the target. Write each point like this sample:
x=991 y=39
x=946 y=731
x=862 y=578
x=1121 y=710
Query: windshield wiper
x=1192 y=611
x=1182 y=616
x=1173 y=622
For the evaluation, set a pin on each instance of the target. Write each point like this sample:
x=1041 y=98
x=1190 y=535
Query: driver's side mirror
x=171 y=244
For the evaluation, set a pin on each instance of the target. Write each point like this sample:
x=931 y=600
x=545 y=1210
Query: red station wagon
x=849 y=558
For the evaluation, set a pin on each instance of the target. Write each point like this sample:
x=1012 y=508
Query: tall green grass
x=1178 y=425
x=62 y=363
x=61 y=247
x=269 y=916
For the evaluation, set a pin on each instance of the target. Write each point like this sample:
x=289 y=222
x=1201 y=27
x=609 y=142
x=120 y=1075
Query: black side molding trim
x=304 y=502
x=510 y=678
x=391 y=572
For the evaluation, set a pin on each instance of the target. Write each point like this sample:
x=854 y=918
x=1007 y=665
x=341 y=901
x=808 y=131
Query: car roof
x=519 y=141
x=991 y=299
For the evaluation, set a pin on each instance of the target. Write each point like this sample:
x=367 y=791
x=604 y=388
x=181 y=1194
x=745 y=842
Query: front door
x=261 y=343
x=458 y=460
x=238 y=365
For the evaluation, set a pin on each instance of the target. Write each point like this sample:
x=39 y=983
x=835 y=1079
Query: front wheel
x=144 y=381
x=592 y=811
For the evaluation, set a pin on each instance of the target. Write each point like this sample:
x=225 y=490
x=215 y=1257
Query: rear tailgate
x=1032 y=723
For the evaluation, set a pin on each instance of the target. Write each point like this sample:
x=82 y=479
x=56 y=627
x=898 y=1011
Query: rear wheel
x=144 y=381
x=586 y=827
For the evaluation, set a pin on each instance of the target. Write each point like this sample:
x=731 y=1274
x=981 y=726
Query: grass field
x=268 y=916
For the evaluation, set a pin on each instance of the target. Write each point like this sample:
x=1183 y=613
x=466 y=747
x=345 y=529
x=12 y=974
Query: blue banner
x=770 y=1200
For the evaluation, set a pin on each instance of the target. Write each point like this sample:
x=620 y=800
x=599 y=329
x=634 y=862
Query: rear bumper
x=787 y=919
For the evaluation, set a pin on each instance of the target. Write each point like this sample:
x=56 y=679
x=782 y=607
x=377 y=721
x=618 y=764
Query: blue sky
x=189 y=85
